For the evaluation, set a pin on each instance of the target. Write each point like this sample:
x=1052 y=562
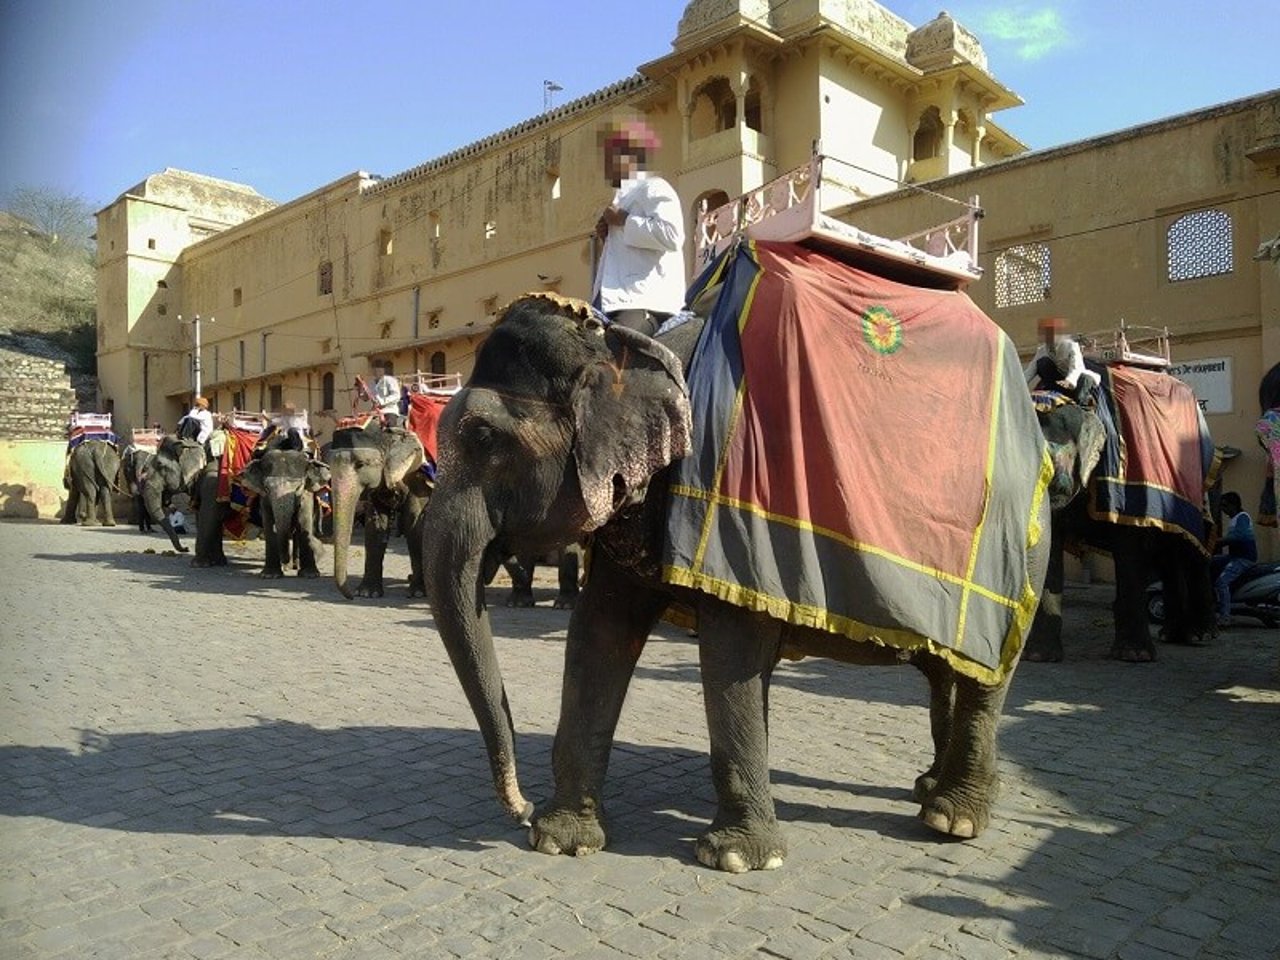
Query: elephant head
x=1076 y=438
x=175 y=467
x=286 y=481
x=369 y=460
x=562 y=423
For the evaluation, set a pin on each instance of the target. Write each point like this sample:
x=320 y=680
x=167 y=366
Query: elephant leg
x=520 y=570
x=86 y=502
x=959 y=802
x=738 y=651
x=210 y=515
x=411 y=520
x=942 y=700
x=568 y=595
x=303 y=538
x=377 y=532
x=607 y=632
x=1044 y=642
x=272 y=568
x=106 y=496
x=71 y=512
x=1188 y=593
x=1132 y=640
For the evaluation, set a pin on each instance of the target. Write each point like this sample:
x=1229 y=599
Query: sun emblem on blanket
x=882 y=330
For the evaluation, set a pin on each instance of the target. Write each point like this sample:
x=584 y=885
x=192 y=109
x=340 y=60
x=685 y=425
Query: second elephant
x=287 y=481
x=382 y=467
x=93 y=470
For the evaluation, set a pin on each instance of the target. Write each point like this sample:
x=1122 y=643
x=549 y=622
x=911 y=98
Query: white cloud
x=1034 y=33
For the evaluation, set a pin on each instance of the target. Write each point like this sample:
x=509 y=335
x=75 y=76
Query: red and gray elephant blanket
x=1158 y=460
x=866 y=460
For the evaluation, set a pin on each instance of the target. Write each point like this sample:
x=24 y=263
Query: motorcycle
x=1255 y=594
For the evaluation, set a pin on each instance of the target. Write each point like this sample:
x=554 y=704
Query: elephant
x=567 y=427
x=184 y=466
x=134 y=462
x=286 y=481
x=1077 y=436
x=382 y=465
x=521 y=570
x=93 y=468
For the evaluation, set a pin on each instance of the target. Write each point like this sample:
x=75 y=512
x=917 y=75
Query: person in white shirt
x=640 y=278
x=1059 y=360
x=198 y=423
x=385 y=391
x=178 y=521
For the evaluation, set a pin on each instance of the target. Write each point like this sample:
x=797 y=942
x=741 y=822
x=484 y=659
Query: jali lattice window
x=1200 y=245
x=324 y=277
x=1023 y=274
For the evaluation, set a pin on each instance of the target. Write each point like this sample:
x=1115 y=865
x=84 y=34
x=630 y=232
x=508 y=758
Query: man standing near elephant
x=1238 y=551
x=640 y=277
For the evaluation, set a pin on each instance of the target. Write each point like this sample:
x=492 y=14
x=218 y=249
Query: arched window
x=928 y=139
x=438 y=363
x=326 y=392
x=1023 y=275
x=715 y=108
x=1200 y=245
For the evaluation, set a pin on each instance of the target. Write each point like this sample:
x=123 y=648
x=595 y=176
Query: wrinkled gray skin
x=133 y=462
x=1076 y=437
x=286 y=482
x=561 y=427
x=381 y=466
x=181 y=466
x=567 y=561
x=94 y=469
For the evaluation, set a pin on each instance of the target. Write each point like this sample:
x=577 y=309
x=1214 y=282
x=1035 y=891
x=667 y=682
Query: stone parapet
x=36 y=397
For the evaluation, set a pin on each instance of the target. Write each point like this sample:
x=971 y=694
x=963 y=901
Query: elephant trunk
x=453 y=560
x=153 y=500
x=344 y=492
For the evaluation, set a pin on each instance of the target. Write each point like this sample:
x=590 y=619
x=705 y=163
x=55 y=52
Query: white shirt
x=205 y=419
x=386 y=393
x=642 y=264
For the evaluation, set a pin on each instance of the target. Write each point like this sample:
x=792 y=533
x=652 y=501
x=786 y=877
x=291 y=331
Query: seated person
x=1059 y=362
x=198 y=422
x=178 y=521
x=289 y=422
x=1236 y=552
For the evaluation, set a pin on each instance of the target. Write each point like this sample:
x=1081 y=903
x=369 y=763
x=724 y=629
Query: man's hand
x=614 y=216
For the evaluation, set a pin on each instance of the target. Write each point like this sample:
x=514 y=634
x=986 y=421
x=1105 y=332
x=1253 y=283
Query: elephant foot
x=1042 y=656
x=520 y=599
x=108 y=523
x=567 y=832
x=1145 y=654
x=416 y=589
x=924 y=786
x=749 y=845
x=956 y=814
x=563 y=602
x=368 y=588
x=207 y=561
x=309 y=573
x=272 y=574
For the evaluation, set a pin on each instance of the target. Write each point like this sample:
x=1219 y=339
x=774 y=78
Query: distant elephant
x=521 y=569
x=286 y=481
x=1142 y=553
x=133 y=462
x=382 y=466
x=566 y=425
x=183 y=466
x=93 y=469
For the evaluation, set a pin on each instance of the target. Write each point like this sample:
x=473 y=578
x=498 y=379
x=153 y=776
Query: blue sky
x=288 y=95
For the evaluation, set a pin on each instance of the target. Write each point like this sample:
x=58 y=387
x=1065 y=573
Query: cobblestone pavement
x=204 y=764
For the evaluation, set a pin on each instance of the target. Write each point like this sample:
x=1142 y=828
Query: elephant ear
x=1076 y=438
x=317 y=476
x=631 y=419
x=252 y=479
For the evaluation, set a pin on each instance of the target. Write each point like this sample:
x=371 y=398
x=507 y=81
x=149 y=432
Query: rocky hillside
x=47 y=302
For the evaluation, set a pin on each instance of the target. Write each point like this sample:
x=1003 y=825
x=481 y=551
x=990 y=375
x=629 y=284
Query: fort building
x=1156 y=225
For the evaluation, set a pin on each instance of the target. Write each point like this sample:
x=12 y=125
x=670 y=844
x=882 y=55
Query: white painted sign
x=1210 y=379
